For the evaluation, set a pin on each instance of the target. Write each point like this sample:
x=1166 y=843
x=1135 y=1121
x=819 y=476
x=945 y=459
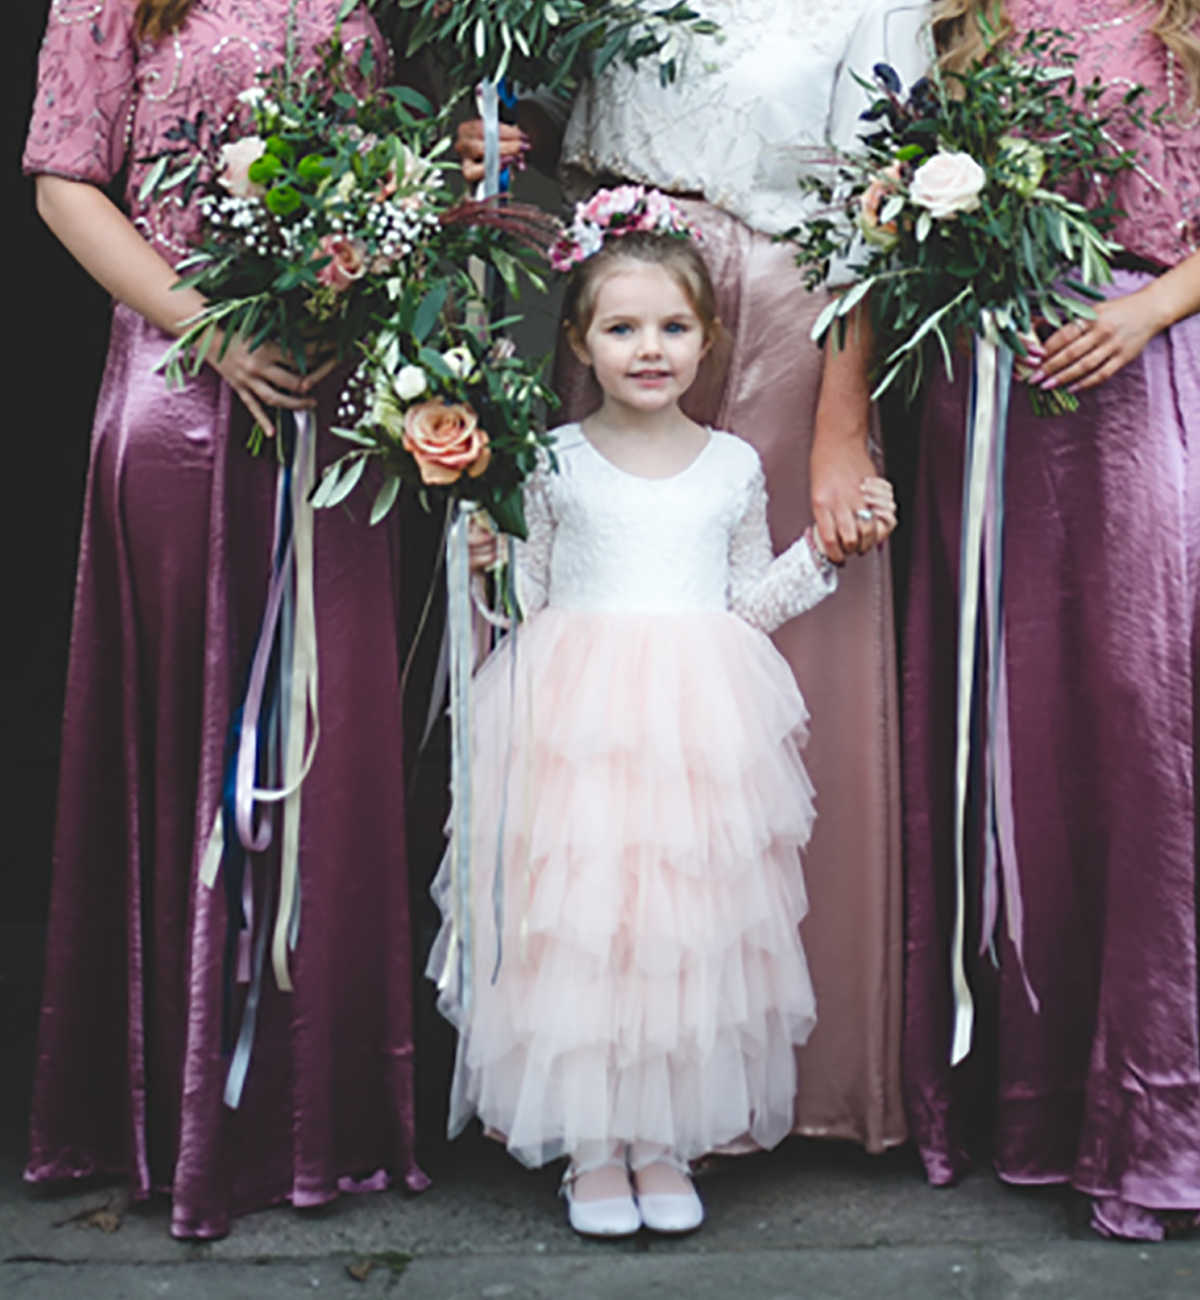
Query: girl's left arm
x=767 y=590
x=1085 y=353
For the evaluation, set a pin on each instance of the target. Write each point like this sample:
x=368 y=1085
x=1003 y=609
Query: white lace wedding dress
x=637 y=775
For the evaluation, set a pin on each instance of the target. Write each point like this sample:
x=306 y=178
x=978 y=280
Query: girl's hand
x=262 y=377
x=880 y=500
x=1085 y=353
x=483 y=545
x=468 y=144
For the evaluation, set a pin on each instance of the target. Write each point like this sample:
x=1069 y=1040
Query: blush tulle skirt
x=638 y=780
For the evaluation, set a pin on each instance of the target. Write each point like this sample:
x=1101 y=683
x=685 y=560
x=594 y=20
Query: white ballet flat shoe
x=672 y=1212
x=615 y=1216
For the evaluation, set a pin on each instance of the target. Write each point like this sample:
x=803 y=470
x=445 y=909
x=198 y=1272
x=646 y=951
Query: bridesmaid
x=1101 y=1088
x=172 y=583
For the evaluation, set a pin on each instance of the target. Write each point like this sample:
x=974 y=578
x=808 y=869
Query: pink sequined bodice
x=105 y=101
x=1160 y=196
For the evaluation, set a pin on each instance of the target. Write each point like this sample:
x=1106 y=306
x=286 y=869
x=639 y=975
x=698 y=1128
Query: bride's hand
x=262 y=377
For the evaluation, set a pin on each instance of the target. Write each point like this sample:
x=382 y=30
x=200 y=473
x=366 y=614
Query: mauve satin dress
x=1101 y=1088
x=171 y=588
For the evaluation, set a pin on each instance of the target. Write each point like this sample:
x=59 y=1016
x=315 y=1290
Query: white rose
x=949 y=183
x=411 y=382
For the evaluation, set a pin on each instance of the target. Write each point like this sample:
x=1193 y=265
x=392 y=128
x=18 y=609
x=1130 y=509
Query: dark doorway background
x=56 y=335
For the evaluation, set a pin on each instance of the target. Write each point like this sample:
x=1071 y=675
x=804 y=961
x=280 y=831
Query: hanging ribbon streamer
x=982 y=555
x=459 y=632
x=270 y=745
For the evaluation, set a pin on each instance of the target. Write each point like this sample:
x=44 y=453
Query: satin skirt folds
x=1102 y=546
x=171 y=589
x=764 y=386
x=639 y=788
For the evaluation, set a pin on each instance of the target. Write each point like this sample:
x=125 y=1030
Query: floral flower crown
x=609 y=214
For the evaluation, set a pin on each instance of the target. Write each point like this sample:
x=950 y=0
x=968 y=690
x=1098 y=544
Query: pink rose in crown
x=347 y=262
x=237 y=157
x=446 y=441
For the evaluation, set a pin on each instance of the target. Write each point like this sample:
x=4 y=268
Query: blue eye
x=619 y=330
x=677 y=327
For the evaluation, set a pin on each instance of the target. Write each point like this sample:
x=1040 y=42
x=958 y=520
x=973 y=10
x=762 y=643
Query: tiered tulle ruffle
x=646 y=772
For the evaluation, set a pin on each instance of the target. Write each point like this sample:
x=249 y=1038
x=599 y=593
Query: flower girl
x=627 y=976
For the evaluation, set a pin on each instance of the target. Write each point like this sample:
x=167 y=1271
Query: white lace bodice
x=741 y=122
x=601 y=539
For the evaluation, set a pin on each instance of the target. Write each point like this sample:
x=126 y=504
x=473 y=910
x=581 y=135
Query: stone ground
x=813 y=1220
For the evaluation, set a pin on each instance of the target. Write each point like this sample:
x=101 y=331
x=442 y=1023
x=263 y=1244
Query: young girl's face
x=645 y=341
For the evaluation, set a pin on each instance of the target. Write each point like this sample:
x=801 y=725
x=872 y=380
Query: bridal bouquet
x=551 y=44
x=976 y=205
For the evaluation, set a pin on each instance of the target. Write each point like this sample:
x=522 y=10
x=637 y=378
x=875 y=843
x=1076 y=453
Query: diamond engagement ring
x=865 y=515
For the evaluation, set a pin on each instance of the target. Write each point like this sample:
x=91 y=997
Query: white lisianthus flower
x=410 y=383
x=947 y=184
x=459 y=361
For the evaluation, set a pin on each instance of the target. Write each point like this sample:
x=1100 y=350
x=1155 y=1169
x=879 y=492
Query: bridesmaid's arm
x=1086 y=353
x=112 y=251
x=841 y=461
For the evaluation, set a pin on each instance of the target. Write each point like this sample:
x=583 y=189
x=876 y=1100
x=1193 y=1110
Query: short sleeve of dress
x=86 y=74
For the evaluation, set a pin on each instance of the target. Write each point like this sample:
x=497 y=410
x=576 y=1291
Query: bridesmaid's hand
x=262 y=377
x=1085 y=353
x=845 y=517
x=468 y=144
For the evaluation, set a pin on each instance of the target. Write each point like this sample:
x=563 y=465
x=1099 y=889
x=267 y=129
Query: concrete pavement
x=815 y=1220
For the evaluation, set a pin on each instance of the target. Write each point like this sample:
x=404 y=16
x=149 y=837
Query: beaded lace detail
x=105 y=101
x=1160 y=195
x=743 y=120
x=603 y=539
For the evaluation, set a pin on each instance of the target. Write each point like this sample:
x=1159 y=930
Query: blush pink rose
x=446 y=441
x=236 y=161
x=949 y=183
x=347 y=262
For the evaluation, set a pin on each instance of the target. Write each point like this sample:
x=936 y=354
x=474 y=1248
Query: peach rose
x=347 y=262
x=445 y=441
x=236 y=160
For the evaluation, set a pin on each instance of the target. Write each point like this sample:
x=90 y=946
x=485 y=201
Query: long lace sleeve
x=764 y=589
x=533 y=554
x=86 y=74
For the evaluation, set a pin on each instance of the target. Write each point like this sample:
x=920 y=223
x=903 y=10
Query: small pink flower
x=347 y=262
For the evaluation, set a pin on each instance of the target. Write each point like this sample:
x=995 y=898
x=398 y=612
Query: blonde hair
x=679 y=257
x=155 y=19
x=959 y=39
